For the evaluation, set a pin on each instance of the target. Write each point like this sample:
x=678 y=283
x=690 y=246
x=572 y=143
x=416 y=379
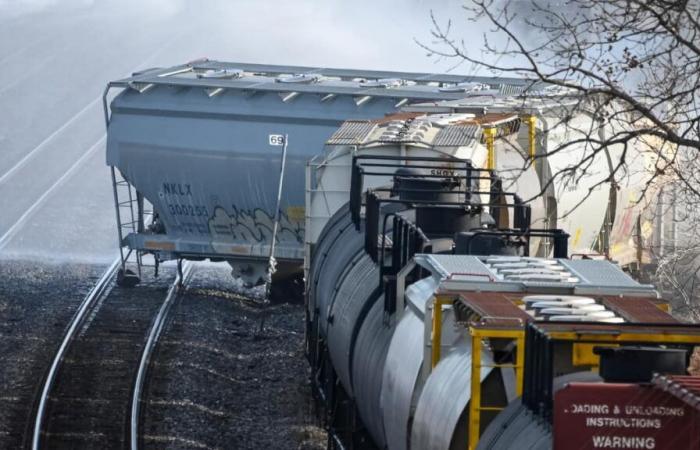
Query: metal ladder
x=478 y=335
x=132 y=208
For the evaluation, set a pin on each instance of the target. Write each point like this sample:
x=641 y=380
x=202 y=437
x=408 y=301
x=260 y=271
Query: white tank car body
x=437 y=135
x=628 y=220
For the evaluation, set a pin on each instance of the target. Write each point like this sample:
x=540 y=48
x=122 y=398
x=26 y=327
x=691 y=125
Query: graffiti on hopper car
x=252 y=226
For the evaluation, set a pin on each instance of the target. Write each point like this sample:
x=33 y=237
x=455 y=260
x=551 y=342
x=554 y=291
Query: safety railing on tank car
x=560 y=238
x=522 y=224
x=407 y=238
x=463 y=170
x=471 y=176
x=407 y=241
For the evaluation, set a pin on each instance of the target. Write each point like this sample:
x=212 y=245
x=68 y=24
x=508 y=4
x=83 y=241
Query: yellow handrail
x=490 y=139
x=436 y=336
x=532 y=130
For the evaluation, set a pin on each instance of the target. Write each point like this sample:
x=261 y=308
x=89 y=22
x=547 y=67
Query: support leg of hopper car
x=139 y=262
x=263 y=316
x=127 y=278
x=180 y=276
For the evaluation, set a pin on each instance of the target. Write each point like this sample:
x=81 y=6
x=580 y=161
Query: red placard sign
x=593 y=416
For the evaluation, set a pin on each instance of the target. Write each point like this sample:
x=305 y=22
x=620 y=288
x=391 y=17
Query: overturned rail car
x=196 y=151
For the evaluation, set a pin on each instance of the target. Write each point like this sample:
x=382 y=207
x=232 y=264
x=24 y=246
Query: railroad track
x=91 y=395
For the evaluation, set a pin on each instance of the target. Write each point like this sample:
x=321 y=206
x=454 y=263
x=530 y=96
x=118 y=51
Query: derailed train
x=442 y=311
x=430 y=326
x=195 y=170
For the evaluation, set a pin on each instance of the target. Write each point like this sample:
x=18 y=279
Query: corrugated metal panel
x=345 y=315
x=352 y=133
x=494 y=305
x=403 y=363
x=454 y=265
x=369 y=357
x=457 y=136
x=509 y=89
x=600 y=273
x=436 y=420
x=637 y=309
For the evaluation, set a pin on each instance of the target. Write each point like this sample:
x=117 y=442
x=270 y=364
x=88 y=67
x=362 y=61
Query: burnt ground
x=36 y=303
x=216 y=382
x=90 y=400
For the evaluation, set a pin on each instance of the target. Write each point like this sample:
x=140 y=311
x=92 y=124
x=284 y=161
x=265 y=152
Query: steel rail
x=85 y=308
x=151 y=341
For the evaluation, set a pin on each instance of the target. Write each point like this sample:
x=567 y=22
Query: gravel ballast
x=37 y=301
x=217 y=381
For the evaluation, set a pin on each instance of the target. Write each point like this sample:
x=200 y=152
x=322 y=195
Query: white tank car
x=628 y=220
x=419 y=134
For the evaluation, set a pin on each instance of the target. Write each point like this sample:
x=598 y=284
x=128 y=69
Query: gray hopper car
x=195 y=168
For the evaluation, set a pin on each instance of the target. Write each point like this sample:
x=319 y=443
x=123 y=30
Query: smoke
x=325 y=33
x=58 y=55
x=18 y=8
x=22 y=7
